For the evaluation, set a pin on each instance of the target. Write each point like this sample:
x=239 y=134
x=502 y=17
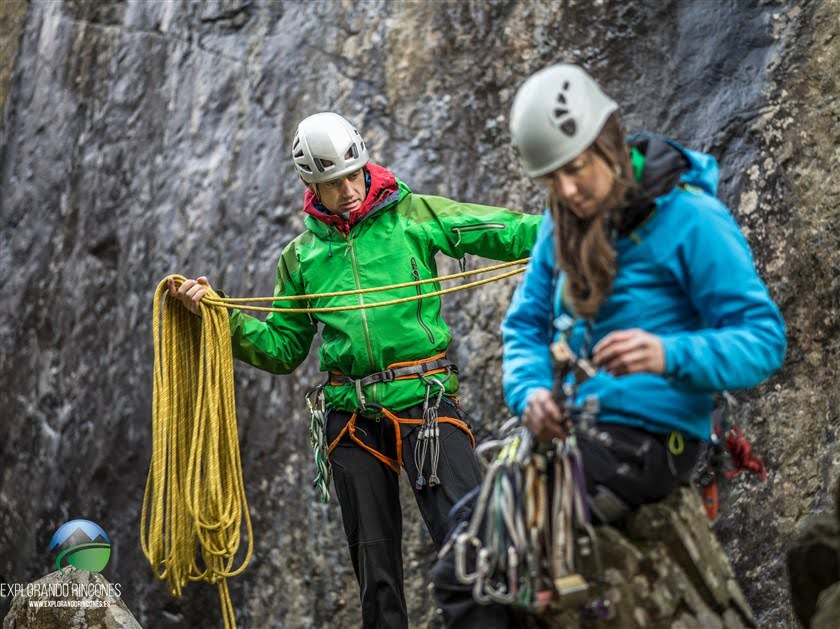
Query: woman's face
x=583 y=185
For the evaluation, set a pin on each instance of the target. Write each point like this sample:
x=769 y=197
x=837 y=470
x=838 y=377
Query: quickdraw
x=529 y=534
x=428 y=440
x=318 y=440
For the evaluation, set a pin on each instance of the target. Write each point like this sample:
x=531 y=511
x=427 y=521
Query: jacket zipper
x=472 y=228
x=363 y=311
x=416 y=274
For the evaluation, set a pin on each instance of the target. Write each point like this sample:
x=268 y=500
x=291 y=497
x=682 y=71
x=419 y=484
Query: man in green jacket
x=390 y=388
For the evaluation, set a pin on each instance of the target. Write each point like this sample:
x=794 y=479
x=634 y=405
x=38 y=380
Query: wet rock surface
x=144 y=138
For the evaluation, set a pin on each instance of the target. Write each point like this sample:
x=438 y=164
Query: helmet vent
x=323 y=164
x=566 y=125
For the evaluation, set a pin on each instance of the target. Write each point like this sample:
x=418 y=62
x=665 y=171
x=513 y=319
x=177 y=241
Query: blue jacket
x=685 y=274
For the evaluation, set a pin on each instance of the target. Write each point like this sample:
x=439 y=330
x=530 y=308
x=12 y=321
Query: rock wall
x=144 y=138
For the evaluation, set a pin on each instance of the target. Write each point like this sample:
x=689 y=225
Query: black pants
x=633 y=464
x=368 y=491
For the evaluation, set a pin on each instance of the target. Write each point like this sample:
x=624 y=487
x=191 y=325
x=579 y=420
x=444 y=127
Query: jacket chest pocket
x=415 y=272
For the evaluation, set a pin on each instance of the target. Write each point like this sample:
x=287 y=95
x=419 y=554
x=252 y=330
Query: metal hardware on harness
x=529 y=520
x=428 y=439
x=529 y=534
x=318 y=440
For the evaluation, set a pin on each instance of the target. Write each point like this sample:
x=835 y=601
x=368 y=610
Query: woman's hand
x=542 y=416
x=190 y=293
x=630 y=351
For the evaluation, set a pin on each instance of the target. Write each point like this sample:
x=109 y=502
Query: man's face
x=344 y=194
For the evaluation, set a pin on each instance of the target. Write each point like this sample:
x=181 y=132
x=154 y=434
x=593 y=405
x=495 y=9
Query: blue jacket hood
x=703 y=171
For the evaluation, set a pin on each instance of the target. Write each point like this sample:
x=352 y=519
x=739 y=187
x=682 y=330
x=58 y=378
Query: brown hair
x=583 y=248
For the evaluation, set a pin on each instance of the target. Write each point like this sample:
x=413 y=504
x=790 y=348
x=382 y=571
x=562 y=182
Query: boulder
x=813 y=565
x=664 y=567
x=72 y=599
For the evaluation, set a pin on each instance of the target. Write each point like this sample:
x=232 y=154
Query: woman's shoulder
x=689 y=205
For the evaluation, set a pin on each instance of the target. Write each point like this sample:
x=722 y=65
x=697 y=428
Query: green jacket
x=395 y=242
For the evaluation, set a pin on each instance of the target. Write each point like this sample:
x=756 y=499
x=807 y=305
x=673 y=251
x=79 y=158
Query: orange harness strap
x=395 y=465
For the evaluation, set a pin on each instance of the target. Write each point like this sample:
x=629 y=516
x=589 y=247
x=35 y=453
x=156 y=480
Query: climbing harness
x=529 y=535
x=398 y=371
x=434 y=372
x=194 y=513
x=727 y=438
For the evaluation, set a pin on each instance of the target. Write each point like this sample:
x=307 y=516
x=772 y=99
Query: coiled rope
x=194 y=506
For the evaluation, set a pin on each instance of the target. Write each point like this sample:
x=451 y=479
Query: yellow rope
x=194 y=504
x=240 y=302
x=357 y=291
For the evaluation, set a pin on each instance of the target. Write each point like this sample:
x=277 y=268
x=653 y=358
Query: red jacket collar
x=382 y=184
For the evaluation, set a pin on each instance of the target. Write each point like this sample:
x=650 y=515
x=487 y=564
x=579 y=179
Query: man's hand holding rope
x=190 y=293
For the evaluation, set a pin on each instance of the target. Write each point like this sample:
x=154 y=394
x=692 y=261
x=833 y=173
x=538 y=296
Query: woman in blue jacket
x=645 y=273
x=656 y=282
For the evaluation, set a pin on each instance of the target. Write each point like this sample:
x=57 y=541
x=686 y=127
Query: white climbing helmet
x=327 y=147
x=556 y=115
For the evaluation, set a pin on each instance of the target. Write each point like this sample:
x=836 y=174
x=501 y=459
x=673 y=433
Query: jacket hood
x=382 y=190
x=665 y=165
x=668 y=163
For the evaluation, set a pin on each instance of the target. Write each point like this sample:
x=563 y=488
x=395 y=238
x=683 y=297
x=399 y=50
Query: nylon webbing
x=388 y=375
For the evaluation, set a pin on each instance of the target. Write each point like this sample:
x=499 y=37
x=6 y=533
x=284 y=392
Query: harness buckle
x=360 y=393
